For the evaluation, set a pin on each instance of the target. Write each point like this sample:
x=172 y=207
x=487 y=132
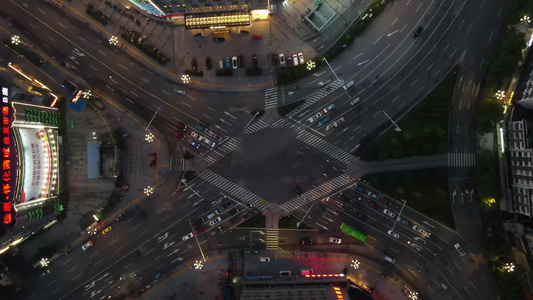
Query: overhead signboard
x=7 y=211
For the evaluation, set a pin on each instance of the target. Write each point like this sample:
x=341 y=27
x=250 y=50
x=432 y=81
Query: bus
x=349 y=230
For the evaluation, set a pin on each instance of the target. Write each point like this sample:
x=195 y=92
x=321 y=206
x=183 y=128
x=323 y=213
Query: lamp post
x=198 y=265
x=159 y=108
x=251 y=119
x=113 y=40
x=16 y=40
x=310 y=65
x=327 y=63
x=355 y=264
x=399 y=214
x=397 y=127
x=149 y=137
x=185 y=78
x=184 y=181
x=149 y=190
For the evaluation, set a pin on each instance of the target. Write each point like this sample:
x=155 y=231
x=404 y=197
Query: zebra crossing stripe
x=271 y=97
x=256 y=127
x=322 y=145
x=462 y=159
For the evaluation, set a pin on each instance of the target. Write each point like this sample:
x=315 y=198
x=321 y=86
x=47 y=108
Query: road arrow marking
x=243 y=238
x=290 y=93
x=227 y=113
x=363 y=62
x=393 y=32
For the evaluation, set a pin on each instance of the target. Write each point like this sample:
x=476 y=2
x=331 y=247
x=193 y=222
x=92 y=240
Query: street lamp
x=87 y=94
x=113 y=40
x=198 y=265
x=44 y=262
x=355 y=264
x=15 y=39
x=310 y=65
x=500 y=95
x=397 y=127
x=149 y=190
x=185 y=78
x=399 y=214
x=508 y=267
x=525 y=19
x=149 y=137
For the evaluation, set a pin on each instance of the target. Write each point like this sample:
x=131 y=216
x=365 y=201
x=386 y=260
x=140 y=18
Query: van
x=221 y=64
x=264 y=259
x=284 y=273
x=324 y=121
x=212 y=215
x=306 y=271
x=390 y=259
x=355 y=101
x=348 y=85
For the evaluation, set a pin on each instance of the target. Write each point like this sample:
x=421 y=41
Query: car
x=87 y=245
x=225 y=205
x=208 y=63
x=228 y=62
x=202 y=128
x=179 y=135
x=215 y=221
x=281 y=59
x=403 y=221
x=187 y=236
x=301 y=58
x=255 y=61
x=200 y=229
x=362 y=217
x=324 y=121
x=44 y=273
x=389 y=213
x=264 y=259
x=418 y=31
x=306 y=241
x=179 y=92
x=355 y=101
x=295 y=59
x=416 y=246
x=255 y=37
x=314 y=118
x=334 y=240
x=107 y=230
x=181 y=126
x=339 y=122
x=330 y=107
x=372 y=204
x=240 y=61
x=370 y=194
x=194 y=64
x=195 y=135
x=215 y=136
x=194 y=144
x=393 y=234
x=234 y=62
x=459 y=249
x=298 y=189
x=210 y=143
x=421 y=231
x=385 y=201
x=233 y=211
x=218 y=39
x=198 y=220
x=359 y=188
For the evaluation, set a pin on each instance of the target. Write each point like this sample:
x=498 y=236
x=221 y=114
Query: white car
x=389 y=213
x=215 y=221
x=421 y=231
x=281 y=59
x=187 y=236
x=234 y=62
x=295 y=59
x=416 y=246
x=339 y=122
x=355 y=101
x=301 y=58
x=330 y=107
x=334 y=240
x=210 y=143
x=393 y=234
x=459 y=249
x=314 y=118
x=195 y=135
x=87 y=245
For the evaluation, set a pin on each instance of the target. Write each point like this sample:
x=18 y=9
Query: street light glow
x=355 y=264
x=198 y=265
x=113 y=40
x=44 y=262
x=86 y=94
x=149 y=190
x=185 y=78
x=310 y=65
x=500 y=95
x=15 y=39
x=149 y=137
x=525 y=19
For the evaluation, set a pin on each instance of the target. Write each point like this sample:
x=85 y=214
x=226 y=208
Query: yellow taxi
x=107 y=230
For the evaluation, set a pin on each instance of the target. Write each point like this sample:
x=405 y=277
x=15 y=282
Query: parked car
x=372 y=204
x=240 y=61
x=459 y=249
x=255 y=63
x=306 y=241
x=324 y=121
x=298 y=189
x=301 y=58
x=202 y=128
x=281 y=59
x=328 y=108
x=179 y=135
x=179 y=92
x=295 y=59
x=403 y=221
x=418 y=31
x=208 y=63
x=195 y=135
x=389 y=213
x=194 y=64
x=422 y=232
x=289 y=60
x=255 y=37
x=314 y=118
x=393 y=234
x=339 y=122
x=187 y=236
x=234 y=62
x=215 y=221
x=181 y=126
x=228 y=62
x=107 y=230
x=218 y=39
x=210 y=143
x=335 y=240
x=194 y=144
x=87 y=245
x=362 y=217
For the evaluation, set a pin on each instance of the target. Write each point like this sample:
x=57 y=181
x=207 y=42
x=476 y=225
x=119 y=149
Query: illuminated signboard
x=7 y=211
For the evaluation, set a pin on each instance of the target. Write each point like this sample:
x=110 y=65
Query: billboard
x=7 y=211
x=37 y=163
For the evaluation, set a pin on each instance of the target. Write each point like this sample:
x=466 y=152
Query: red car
x=179 y=135
x=372 y=204
x=255 y=37
x=181 y=126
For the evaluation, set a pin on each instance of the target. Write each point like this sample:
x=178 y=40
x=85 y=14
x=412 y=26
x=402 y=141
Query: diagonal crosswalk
x=271 y=97
x=461 y=159
x=258 y=125
x=331 y=150
x=226 y=148
x=309 y=100
x=272 y=238
x=321 y=191
x=234 y=190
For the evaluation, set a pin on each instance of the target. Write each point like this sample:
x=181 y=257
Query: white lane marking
x=113 y=241
x=113 y=81
x=66 y=262
x=51 y=283
x=47 y=46
x=207 y=116
x=165 y=218
x=357 y=55
x=394 y=21
x=93 y=254
x=190 y=97
x=134 y=94
x=119 y=248
x=93 y=68
x=419 y=6
x=76 y=277
x=101 y=52
x=58 y=287
x=123 y=67
x=469 y=28
x=32 y=25
x=377 y=40
x=41 y=11
x=211 y=109
x=83 y=39
x=145 y=79
x=62 y=25
x=72 y=269
x=165 y=92
x=162 y=209
x=394 y=250
x=185 y=104
x=52 y=39
x=132 y=103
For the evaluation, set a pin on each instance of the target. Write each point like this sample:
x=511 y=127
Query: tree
x=489 y=113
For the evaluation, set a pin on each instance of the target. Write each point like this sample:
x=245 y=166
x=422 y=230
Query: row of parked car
x=182 y=129
x=292 y=60
x=229 y=63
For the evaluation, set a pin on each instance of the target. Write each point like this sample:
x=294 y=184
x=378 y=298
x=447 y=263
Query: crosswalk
x=272 y=238
x=331 y=150
x=258 y=125
x=271 y=97
x=461 y=159
x=226 y=148
x=234 y=190
x=309 y=100
x=321 y=191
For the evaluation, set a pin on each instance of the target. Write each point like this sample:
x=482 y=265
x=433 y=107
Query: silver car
x=393 y=234
x=187 y=236
x=215 y=221
x=314 y=118
x=389 y=213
